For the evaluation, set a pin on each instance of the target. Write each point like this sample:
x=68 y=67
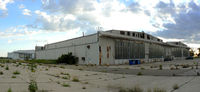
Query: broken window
x=122 y=32
x=148 y=37
x=133 y=34
x=142 y=35
x=83 y=58
x=128 y=33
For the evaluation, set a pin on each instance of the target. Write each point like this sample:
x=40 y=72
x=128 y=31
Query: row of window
x=140 y=35
x=129 y=50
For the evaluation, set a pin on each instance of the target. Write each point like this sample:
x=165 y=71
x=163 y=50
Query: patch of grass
x=1 y=73
x=139 y=73
x=65 y=77
x=58 y=82
x=9 y=90
x=1 y=65
x=175 y=86
x=16 y=72
x=75 y=79
x=62 y=67
x=80 y=69
x=13 y=77
x=160 y=67
x=134 y=89
x=159 y=90
x=46 y=69
x=142 y=68
x=42 y=61
x=83 y=87
x=7 y=68
x=65 y=85
x=64 y=73
x=33 y=86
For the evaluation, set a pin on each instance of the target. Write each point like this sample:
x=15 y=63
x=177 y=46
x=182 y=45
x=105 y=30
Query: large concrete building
x=114 y=47
x=22 y=55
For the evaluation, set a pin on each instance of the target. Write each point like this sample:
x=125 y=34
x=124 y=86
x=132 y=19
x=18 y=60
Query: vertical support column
x=100 y=55
x=182 y=57
x=146 y=52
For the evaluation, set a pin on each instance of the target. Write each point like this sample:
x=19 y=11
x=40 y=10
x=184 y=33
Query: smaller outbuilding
x=22 y=55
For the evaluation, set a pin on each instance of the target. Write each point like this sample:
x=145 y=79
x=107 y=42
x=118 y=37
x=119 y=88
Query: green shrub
x=142 y=68
x=16 y=72
x=75 y=79
x=175 y=86
x=32 y=86
x=83 y=87
x=9 y=90
x=7 y=68
x=13 y=77
x=65 y=77
x=139 y=73
x=1 y=73
x=65 y=85
x=68 y=59
x=160 y=67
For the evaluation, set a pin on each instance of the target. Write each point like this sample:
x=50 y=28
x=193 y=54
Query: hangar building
x=114 y=47
x=22 y=55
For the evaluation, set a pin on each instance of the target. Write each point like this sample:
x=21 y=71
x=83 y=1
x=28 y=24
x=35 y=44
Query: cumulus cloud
x=20 y=30
x=169 y=19
x=26 y=12
x=3 y=4
x=186 y=22
x=68 y=6
x=3 y=9
x=64 y=15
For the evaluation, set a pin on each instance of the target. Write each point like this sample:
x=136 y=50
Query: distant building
x=114 y=47
x=22 y=55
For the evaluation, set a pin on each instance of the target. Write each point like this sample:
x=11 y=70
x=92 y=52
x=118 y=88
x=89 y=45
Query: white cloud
x=3 y=4
x=3 y=8
x=27 y=12
x=160 y=17
x=21 y=6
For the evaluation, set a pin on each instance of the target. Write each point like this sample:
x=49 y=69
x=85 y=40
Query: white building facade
x=114 y=47
x=22 y=55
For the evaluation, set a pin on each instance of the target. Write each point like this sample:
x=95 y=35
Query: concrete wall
x=107 y=50
x=13 y=56
x=83 y=47
x=22 y=54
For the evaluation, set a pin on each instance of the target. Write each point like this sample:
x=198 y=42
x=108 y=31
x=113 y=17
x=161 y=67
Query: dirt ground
x=82 y=78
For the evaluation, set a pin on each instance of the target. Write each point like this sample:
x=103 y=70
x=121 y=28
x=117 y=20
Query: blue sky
x=27 y=23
